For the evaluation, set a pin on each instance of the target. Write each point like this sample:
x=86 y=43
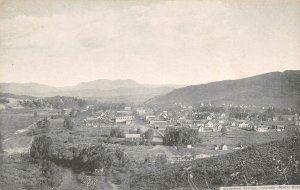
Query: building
x=127 y=108
x=141 y=112
x=127 y=119
x=158 y=122
x=150 y=117
x=157 y=140
x=293 y=128
x=221 y=147
x=209 y=124
x=261 y=129
x=244 y=124
x=133 y=138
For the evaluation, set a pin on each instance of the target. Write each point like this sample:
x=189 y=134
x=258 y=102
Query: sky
x=64 y=42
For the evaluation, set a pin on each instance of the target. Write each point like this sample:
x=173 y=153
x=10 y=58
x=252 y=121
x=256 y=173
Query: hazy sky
x=64 y=42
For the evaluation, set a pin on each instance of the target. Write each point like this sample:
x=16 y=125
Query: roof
x=132 y=136
x=262 y=127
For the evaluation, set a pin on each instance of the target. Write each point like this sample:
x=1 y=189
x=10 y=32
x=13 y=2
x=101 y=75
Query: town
x=145 y=134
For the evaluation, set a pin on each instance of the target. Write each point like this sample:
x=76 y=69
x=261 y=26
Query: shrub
x=122 y=158
x=180 y=136
x=68 y=123
x=117 y=132
x=94 y=157
x=51 y=173
x=160 y=160
x=1 y=140
x=41 y=147
x=43 y=126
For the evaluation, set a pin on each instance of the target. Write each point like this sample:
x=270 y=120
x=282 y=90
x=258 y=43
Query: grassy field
x=241 y=136
x=88 y=135
x=11 y=121
x=18 y=173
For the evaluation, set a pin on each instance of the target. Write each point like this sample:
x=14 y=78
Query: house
x=221 y=121
x=157 y=140
x=127 y=119
x=297 y=122
x=133 y=138
x=221 y=147
x=223 y=115
x=127 y=108
x=201 y=129
x=261 y=128
x=209 y=124
x=158 y=122
x=141 y=112
x=293 y=128
x=233 y=124
x=150 y=117
x=243 y=124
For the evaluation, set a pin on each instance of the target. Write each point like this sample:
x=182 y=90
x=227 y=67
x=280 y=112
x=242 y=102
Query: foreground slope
x=255 y=165
x=280 y=89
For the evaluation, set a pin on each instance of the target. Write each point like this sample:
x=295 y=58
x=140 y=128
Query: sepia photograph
x=149 y=94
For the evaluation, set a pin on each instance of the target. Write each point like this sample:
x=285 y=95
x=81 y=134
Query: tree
x=1 y=140
x=62 y=112
x=160 y=160
x=43 y=124
x=224 y=131
x=95 y=157
x=51 y=172
x=147 y=159
x=117 y=132
x=149 y=135
x=35 y=114
x=41 y=147
x=68 y=123
x=139 y=131
x=181 y=136
x=123 y=159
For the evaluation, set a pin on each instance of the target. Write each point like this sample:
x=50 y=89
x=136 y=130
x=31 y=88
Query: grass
x=11 y=121
x=18 y=173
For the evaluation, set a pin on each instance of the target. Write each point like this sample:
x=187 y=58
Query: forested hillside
x=271 y=163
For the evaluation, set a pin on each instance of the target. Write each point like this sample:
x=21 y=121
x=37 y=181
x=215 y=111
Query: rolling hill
x=281 y=89
x=102 y=88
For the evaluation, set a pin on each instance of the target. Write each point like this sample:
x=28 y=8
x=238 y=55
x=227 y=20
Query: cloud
x=149 y=41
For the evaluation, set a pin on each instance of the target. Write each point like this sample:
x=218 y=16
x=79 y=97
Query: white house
x=124 y=119
x=221 y=147
x=243 y=124
x=262 y=129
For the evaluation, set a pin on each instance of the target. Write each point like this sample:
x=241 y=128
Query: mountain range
x=281 y=89
x=98 y=88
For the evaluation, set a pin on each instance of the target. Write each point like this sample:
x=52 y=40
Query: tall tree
x=68 y=123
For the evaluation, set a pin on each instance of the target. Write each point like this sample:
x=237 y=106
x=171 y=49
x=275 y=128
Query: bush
x=160 y=160
x=43 y=126
x=94 y=157
x=117 y=132
x=41 y=147
x=180 y=136
x=1 y=140
x=68 y=123
x=51 y=173
x=122 y=158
